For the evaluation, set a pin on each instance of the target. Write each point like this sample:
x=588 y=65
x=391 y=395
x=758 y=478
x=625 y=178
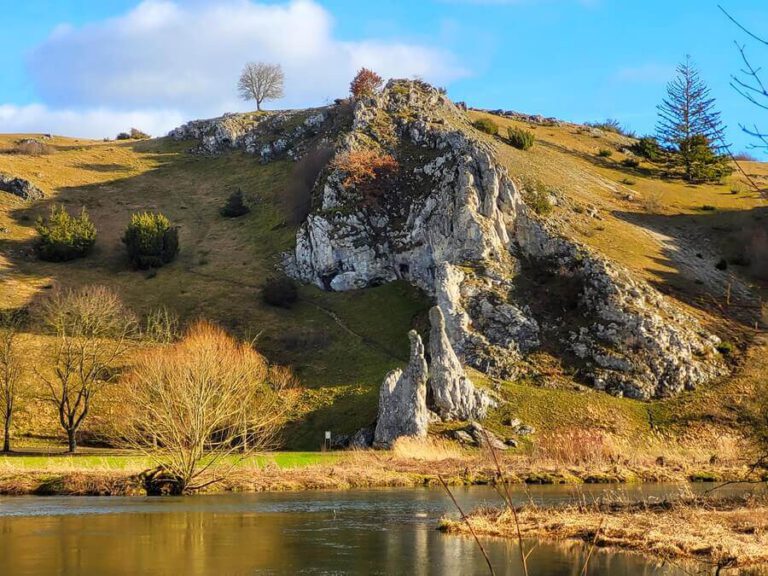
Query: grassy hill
x=342 y=344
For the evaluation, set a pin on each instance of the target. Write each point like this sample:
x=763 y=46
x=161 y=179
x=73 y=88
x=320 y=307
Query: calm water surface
x=386 y=531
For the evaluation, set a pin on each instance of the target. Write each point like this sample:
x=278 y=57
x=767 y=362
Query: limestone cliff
x=455 y=224
x=452 y=221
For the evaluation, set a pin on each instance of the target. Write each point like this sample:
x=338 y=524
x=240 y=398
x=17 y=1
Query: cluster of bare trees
x=191 y=406
x=189 y=400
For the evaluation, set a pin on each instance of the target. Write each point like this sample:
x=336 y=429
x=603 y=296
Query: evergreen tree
x=687 y=120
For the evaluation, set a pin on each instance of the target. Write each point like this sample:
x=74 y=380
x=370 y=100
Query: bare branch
x=199 y=406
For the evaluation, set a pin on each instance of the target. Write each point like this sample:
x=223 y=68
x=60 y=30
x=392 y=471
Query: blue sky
x=89 y=68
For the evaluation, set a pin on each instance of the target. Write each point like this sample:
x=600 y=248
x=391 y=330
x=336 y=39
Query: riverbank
x=726 y=532
x=407 y=466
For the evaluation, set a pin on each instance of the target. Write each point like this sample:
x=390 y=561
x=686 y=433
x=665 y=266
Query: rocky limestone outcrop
x=456 y=225
x=403 y=400
x=268 y=134
x=24 y=189
x=453 y=396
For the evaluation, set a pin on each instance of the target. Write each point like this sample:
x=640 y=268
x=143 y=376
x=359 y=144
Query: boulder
x=454 y=397
x=403 y=400
x=24 y=189
x=484 y=437
x=363 y=438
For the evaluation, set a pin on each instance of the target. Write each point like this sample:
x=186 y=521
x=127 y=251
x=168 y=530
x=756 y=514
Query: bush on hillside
x=605 y=153
x=538 y=197
x=369 y=171
x=611 y=125
x=520 y=139
x=235 y=205
x=486 y=125
x=649 y=148
x=365 y=83
x=134 y=134
x=64 y=237
x=280 y=291
x=630 y=162
x=137 y=134
x=151 y=241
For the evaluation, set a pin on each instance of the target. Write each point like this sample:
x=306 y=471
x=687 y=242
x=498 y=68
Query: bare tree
x=11 y=368
x=91 y=327
x=260 y=81
x=190 y=406
x=749 y=82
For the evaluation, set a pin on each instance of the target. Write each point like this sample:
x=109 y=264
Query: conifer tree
x=690 y=125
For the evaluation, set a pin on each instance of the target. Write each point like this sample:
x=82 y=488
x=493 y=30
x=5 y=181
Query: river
x=382 y=531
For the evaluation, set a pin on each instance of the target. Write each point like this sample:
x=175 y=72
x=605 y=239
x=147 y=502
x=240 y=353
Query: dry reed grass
x=427 y=449
x=725 y=532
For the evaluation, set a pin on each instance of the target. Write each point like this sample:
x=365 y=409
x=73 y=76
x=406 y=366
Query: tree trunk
x=7 y=436
x=71 y=441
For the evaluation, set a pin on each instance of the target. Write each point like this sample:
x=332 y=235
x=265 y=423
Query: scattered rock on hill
x=24 y=189
x=269 y=135
x=403 y=400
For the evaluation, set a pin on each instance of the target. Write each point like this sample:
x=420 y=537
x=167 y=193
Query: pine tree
x=686 y=116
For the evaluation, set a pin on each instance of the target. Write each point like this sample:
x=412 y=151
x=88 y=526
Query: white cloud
x=91 y=123
x=183 y=58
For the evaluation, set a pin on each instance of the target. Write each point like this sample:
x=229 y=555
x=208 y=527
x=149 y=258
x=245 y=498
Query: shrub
x=235 y=205
x=486 y=125
x=520 y=139
x=726 y=348
x=630 y=162
x=652 y=203
x=605 y=153
x=628 y=181
x=537 y=196
x=649 y=148
x=611 y=125
x=123 y=136
x=365 y=83
x=708 y=208
x=280 y=291
x=64 y=237
x=151 y=241
x=369 y=171
x=137 y=134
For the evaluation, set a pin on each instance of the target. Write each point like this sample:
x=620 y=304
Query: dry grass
x=729 y=532
x=427 y=449
x=656 y=231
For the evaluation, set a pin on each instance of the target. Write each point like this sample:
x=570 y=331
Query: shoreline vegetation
x=411 y=463
x=726 y=533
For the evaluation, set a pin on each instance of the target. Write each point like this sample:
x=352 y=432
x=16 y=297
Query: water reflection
x=361 y=532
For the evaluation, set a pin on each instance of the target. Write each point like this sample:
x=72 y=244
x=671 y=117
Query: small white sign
x=327 y=434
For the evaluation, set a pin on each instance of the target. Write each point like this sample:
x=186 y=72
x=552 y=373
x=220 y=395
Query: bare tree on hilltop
x=690 y=125
x=260 y=82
